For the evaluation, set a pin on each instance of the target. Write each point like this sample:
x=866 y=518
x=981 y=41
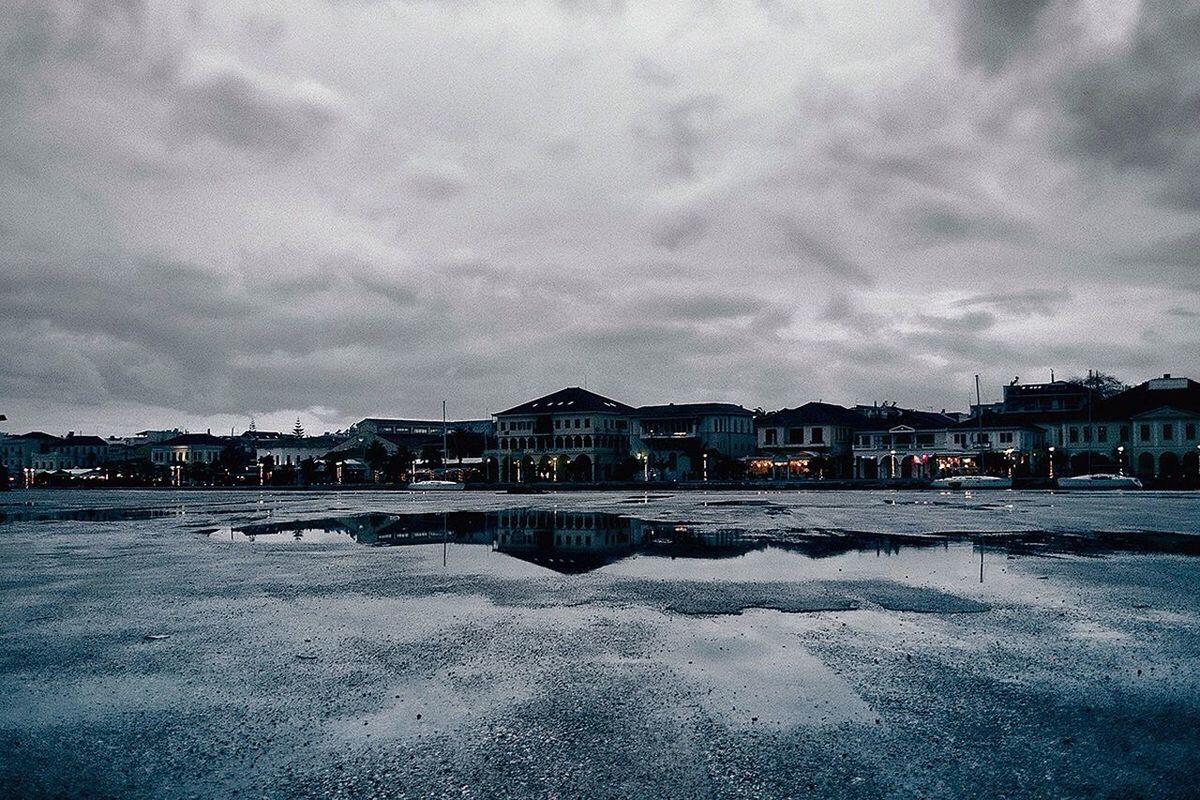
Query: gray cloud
x=245 y=111
x=205 y=214
x=820 y=248
x=1139 y=108
x=1020 y=302
x=993 y=31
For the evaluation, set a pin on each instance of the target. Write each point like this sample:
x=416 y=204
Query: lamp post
x=1121 y=460
x=893 y=475
x=645 y=467
x=1051 y=448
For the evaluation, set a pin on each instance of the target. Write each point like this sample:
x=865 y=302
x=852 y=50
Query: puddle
x=31 y=513
x=573 y=542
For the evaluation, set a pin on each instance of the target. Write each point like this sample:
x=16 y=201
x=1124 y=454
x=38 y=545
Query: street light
x=645 y=467
x=893 y=475
x=1051 y=462
x=1121 y=460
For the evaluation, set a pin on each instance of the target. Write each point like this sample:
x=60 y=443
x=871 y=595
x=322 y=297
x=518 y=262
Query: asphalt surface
x=146 y=651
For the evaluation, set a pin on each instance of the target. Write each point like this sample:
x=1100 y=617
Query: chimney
x=1167 y=375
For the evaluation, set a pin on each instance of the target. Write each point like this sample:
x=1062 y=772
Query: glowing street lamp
x=893 y=452
x=1051 y=448
x=1121 y=459
x=645 y=466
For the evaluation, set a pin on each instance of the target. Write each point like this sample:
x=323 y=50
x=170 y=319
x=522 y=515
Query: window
x=1144 y=433
x=1101 y=434
x=1124 y=433
x=818 y=436
x=985 y=438
x=1168 y=432
x=1072 y=435
x=1087 y=434
x=557 y=424
x=1189 y=431
x=770 y=436
x=924 y=440
x=960 y=439
x=1006 y=438
x=795 y=435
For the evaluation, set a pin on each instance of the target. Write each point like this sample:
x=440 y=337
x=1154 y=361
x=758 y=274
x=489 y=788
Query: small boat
x=971 y=482
x=1099 y=480
x=435 y=486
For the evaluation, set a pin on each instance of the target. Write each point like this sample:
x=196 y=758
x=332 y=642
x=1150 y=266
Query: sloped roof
x=193 y=439
x=917 y=420
x=689 y=410
x=815 y=414
x=85 y=441
x=39 y=436
x=570 y=400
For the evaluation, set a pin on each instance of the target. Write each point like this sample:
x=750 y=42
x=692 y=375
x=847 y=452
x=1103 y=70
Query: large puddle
x=573 y=542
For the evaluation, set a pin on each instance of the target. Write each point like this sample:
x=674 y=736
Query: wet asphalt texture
x=142 y=657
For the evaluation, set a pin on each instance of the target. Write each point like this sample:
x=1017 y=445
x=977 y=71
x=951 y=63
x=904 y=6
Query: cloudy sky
x=214 y=210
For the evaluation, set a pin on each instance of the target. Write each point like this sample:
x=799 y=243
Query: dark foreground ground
x=850 y=650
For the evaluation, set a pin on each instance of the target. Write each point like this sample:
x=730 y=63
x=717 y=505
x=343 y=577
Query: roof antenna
x=1052 y=375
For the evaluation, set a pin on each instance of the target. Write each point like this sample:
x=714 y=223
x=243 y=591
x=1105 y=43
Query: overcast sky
x=210 y=211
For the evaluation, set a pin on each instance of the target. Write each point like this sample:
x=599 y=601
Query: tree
x=1101 y=383
x=308 y=471
x=233 y=459
x=297 y=429
x=376 y=456
x=397 y=464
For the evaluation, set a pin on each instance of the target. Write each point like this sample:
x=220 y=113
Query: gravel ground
x=142 y=655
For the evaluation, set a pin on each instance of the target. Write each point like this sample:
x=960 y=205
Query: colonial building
x=20 y=452
x=692 y=441
x=1152 y=429
x=188 y=448
x=901 y=443
x=811 y=441
x=571 y=434
x=290 y=451
x=1006 y=445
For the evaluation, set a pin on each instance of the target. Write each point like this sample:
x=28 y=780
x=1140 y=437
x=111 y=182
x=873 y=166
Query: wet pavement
x=840 y=644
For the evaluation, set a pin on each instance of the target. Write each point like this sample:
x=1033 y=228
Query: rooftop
x=570 y=400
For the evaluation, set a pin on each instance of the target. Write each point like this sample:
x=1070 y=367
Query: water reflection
x=572 y=542
x=34 y=513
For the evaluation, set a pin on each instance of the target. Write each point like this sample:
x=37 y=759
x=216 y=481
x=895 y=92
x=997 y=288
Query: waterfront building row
x=575 y=435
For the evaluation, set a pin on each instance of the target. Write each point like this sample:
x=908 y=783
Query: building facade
x=691 y=441
x=814 y=440
x=568 y=435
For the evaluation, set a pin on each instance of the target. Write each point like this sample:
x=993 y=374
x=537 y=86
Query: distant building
x=1152 y=429
x=571 y=434
x=382 y=426
x=689 y=441
x=902 y=443
x=814 y=440
x=20 y=451
x=290 y=451
x=188 y=448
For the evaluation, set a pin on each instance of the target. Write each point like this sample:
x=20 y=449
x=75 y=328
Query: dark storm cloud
x=990 y=32
x=1179 y=255
x=1139 y=108
x=367 y=206
x=804 y=244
